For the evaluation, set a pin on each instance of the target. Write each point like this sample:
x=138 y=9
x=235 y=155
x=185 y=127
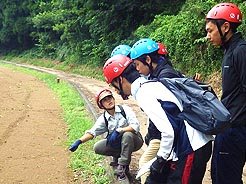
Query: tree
x=15 y=25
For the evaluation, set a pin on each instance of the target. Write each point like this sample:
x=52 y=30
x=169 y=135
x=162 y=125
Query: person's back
x=164 y=70
x=229 y=150
x=184 y=151
x=151 y=60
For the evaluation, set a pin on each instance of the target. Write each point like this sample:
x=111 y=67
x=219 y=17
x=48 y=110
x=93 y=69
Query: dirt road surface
x=32 y=133
x=30 y=152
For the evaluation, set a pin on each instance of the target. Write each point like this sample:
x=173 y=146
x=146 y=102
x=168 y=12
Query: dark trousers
x=191 y=169
x=229 y=156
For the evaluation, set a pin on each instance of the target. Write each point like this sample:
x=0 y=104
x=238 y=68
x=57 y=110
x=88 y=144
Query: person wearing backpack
x=229 y=153
x=151 y=60
x=123 y=137
x=184 y=151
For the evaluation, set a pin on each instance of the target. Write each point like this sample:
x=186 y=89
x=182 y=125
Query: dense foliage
x=85 y=32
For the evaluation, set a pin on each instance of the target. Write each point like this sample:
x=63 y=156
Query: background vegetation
x=78 y=36
x=79 y=32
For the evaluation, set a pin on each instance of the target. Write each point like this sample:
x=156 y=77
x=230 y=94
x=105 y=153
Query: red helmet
x=114 y=67
x=162 y=49
x=102 y=94
x=227 y=11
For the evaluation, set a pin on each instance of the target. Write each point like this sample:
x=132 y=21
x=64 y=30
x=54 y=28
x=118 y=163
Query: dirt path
x=32 y=134
x=89 y=86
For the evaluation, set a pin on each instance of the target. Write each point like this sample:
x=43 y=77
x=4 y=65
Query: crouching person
x=122 y=127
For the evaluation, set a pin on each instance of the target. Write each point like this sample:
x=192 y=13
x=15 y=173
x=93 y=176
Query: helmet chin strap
x=150 y=67
x=122 y=94
x=222 y=36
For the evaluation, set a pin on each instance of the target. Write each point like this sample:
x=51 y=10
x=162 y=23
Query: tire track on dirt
x=15 y=123
x=32 y=132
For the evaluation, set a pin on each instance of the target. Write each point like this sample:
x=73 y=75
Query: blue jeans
x=229 y=156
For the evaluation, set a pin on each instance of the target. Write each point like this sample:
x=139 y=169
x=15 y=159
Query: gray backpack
x=201 y=108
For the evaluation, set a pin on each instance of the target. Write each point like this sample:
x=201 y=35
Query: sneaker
x=122 y=177
x=114 y=162
x=122 y=169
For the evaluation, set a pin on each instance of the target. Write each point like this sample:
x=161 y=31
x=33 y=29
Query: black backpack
x=201 y=108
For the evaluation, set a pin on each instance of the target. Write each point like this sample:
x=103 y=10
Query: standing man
x=229 y=153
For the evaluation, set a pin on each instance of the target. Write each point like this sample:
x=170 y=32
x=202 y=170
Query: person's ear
x=226 y=27
x=126 y=87
x=123 y=79
x=120 y=79
x=148 y=59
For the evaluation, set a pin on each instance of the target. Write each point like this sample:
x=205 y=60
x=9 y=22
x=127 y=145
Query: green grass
x=84 y=162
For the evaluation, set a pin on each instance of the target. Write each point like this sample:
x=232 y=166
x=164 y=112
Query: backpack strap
x=122 y=111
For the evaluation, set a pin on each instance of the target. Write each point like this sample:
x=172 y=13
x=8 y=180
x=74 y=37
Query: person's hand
x=159 y=171
x=147 y=139
x=158 y=165
x=114 y=139
x=75 y=145
x=120 y=130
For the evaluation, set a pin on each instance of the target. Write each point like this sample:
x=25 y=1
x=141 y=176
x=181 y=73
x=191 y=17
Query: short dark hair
x=220 y=22
x=153 y=55
x=130 y=73
x=155 y=58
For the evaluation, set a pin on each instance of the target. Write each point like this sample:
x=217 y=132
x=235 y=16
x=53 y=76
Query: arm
x=83 y=139
x=86 y=137
x=147 y=100
x=240 y=64
x=98 y=129
x=125 y=129
x=153 y=109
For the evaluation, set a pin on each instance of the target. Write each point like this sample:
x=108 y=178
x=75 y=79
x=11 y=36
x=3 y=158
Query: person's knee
x=128 y=134
x=155 y=143
x=98 y=148
x=127 y=137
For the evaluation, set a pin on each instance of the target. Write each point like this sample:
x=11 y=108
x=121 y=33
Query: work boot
x=114 y=162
